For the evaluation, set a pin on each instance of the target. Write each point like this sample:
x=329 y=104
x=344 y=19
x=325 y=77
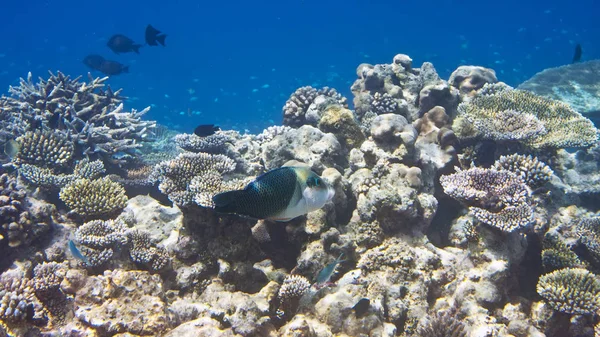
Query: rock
x=161 y=222
x=469 y=79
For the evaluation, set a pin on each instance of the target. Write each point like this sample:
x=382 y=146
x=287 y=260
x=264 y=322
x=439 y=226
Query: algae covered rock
x=340 y=121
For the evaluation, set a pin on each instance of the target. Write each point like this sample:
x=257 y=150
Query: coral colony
x=461 y=208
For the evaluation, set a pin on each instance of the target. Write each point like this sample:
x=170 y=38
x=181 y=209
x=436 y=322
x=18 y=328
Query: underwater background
x=300 y=169
x=234 y=63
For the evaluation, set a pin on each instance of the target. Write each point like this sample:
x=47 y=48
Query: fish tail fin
x=136 y=48
x=226 y=202
x=161 y=39
x=125 y=69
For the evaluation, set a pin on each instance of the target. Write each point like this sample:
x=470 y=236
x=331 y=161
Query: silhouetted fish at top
x=205 y=130
x=104 y=66
x=122 y=44
x=153 y=36
x=577 y=55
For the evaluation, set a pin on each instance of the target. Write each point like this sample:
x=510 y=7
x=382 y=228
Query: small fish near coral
x=154 y=36
x=206 y=130
x=11 y=148
x=77 y=253
x=279 y=195
x=325 y=274
x=120 y=43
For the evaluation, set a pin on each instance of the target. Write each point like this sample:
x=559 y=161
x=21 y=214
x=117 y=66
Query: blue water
x=235 y=63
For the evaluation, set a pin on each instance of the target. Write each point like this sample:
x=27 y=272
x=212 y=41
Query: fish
x=205 y=130
x=153 y=36
x=107 y=67
x=122 y=44
x=113 y=68
x=279 y=195
x=93 y=61
x=361 y=307
x=12 y=148
x=577 y=55
x=77 y=253
x=325 y=274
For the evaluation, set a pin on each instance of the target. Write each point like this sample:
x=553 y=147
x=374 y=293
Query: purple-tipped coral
x=497 y=198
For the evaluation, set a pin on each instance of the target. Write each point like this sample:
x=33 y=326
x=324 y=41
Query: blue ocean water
x=235 y=63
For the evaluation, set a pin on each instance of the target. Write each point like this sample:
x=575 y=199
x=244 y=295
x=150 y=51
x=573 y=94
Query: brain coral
x=521 y=116
x=571 y=290
x=92 y=198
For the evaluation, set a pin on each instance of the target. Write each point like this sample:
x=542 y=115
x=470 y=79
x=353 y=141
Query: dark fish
x=361 y=307
x=113 y=68
x=205 y=130
x=77 y=254
x=577 y=55
x=12 y=148
x=280 y=194
x=93 y=61
x=122 y=44
x=153 y=36
x=54 y=120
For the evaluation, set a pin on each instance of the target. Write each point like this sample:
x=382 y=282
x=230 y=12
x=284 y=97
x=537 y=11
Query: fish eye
x=314 y=182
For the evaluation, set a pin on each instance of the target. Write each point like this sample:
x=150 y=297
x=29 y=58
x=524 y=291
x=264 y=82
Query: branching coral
x=533 y=172
x=45 y=178
x=99 y=240
x=175 y=176
x=144 y=252
x=17 y=298
x=497 y=198
x=91 y=198
x=47 y=277
x=444 y=324
x=571 y=290
x=588 y=230
x=44 y=149
x=295 y=108
x=92 y=117
x=557 y=255
x=521 y=116
x=210 y=144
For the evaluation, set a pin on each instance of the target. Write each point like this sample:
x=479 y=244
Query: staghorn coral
x=497 y=198
x=571 y=290
x=92 y=198
x=296 y=106
x=521 y=116
x=44 y=149
x=144 y=252
x=91 y=116
x=532 y=171
x=211 y=144
x=175 y=176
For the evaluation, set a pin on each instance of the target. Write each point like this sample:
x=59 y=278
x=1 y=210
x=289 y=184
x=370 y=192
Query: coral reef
x=92 y=117
x=575 y=84
x=296 y=107
x=93 y=198
x=571 y=290
x=436 y=229
x=523 y=117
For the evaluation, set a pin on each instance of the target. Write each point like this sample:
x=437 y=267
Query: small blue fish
x=326 y=273
x=77 y=254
